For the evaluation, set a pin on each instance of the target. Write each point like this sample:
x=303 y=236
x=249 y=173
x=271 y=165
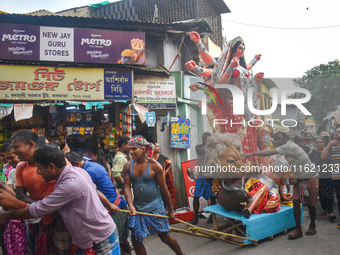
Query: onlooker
x=104 y=184
x=308 y=141
x=167 y=167
x=77 y=201
x=51 y=233
x=333 y=152
x=326 y=193
x=148 y=183
x=120 y=159
x=15 y=232
x=203 y=185
x=305 y=181
x=298 y=140
x=6 y=166
x=325 y=136
x=99 y=157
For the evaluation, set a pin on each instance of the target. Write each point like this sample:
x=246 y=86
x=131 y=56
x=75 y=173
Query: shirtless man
x=148 y=183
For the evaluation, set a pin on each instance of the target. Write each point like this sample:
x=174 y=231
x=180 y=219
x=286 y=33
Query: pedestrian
x=76 y=200
x=325 y=136
x=333 y=152
x=308 y=140
x=99 y=157
x=146 y=177
x=120 y=159
x=166 y=164
x=15 y=231
x=203 y=184
x=305 y=182
x=104 y=184
x=50 y=234
x=298 y=140
x=326 y=193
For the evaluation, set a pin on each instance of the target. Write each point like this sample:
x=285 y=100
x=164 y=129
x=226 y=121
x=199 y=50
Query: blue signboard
x=117 y=84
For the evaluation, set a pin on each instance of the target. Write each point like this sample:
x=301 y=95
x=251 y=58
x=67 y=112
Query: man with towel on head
x=148 y=183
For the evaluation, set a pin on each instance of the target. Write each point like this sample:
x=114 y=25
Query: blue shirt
x=102 y=180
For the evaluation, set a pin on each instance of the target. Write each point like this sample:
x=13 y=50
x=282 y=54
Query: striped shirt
x=298 y=160
x=334 y=153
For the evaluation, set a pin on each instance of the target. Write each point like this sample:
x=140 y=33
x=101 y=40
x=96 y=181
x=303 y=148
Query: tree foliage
x=323 y=82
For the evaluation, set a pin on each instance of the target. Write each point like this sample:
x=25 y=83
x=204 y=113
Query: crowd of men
x=73 y=207
x=74 y=203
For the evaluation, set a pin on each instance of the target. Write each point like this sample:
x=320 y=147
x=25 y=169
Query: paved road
x=325 y=242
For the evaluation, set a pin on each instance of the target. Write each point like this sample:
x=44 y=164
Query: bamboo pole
x=193 y=227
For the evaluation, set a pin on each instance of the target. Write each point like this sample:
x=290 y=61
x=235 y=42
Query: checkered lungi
x=121 y=219
x=141 y=226
x=109 y=246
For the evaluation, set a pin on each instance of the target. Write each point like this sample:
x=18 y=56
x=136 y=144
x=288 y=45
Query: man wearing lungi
x=148 y=183
x=76 y=199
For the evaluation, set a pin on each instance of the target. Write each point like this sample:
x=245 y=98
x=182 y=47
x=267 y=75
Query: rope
x=178 y=53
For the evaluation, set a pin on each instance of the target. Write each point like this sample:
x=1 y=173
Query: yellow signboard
x=51 y=83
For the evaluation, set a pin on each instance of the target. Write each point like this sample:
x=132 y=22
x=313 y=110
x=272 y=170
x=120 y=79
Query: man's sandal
x=295 y=235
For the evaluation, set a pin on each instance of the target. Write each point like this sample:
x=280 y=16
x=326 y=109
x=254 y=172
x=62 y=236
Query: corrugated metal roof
x=219 y=6
x=201 y=26
x=42 y=12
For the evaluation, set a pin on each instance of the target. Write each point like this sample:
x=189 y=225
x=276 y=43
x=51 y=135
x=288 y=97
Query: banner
x=180 y=133
x=63 y=83
x=26 y=42
x=155 y=93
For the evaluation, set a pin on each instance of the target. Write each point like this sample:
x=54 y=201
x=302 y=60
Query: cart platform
x=257 y=226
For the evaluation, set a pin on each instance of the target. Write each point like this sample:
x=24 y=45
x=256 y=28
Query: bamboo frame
x=202 y=232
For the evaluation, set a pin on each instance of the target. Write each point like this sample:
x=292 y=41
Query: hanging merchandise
x=126 y=121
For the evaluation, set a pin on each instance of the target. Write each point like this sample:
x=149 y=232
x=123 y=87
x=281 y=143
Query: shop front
x=85 y=107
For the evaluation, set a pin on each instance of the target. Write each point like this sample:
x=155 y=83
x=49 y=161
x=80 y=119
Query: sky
x=292 y=36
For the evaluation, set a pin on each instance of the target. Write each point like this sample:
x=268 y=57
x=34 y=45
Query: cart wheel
x=271 y=238
x=253 y=244
x=285 y=231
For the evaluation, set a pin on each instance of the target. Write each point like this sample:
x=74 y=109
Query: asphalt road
x=325 y=242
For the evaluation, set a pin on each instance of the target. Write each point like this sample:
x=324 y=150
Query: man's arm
x=7 y=187
x=21 y=195
x=18 y=214
x=160 y=179
x=127 y=187
x=325 y=154
x=260 y=154
x=9 y=200
x=107 y=204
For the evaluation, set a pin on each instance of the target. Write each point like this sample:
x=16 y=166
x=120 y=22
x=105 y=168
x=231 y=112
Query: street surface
x=325 y=242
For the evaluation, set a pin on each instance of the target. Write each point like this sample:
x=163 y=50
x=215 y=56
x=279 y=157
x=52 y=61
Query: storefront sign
x=26 y=42
x=180 y=133
x=60 y=83
x=150 y=119
x=118 y=84
x=155 y=93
